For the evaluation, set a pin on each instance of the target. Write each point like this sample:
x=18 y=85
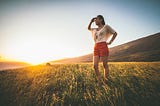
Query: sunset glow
x=41 y=31
x=38 y=50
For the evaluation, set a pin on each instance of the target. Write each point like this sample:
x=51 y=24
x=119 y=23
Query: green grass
x=130 y=84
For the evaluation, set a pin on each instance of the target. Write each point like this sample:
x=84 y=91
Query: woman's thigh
x=96 y=60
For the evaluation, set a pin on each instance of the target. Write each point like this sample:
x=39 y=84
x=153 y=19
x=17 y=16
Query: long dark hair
x=101 y=17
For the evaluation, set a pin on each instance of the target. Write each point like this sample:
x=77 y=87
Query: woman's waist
x=99 y=43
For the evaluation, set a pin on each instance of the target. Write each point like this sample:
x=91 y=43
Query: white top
x=103 y=34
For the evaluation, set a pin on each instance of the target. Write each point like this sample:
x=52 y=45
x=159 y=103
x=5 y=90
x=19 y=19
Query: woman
x=101 y=36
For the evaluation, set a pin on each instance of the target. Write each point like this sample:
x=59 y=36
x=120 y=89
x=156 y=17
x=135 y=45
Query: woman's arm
x=89 y=26
x=113 y=37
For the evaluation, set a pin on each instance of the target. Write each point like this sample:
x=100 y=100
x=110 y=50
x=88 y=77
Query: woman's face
x=98 y=21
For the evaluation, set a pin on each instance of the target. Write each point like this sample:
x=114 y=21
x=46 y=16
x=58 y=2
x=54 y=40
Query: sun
x=34 y=52
x=36 y=57
x=35 y=61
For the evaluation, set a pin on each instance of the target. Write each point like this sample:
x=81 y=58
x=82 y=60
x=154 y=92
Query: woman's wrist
x=110 y=42
x=91 y=21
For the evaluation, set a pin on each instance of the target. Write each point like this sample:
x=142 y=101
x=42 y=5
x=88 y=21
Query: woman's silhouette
x=101 y=36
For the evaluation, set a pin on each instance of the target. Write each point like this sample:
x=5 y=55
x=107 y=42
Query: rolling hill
x=143 y=49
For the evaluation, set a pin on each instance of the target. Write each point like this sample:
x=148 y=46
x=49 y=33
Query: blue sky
x=53 y=29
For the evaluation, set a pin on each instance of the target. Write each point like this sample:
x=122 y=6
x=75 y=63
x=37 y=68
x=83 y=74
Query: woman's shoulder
x=106 y=26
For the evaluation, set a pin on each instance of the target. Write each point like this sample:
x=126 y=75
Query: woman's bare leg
x=104 y=59
x=95 y=63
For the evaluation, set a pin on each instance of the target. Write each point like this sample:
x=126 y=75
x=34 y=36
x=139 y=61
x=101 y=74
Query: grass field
x=130 y=84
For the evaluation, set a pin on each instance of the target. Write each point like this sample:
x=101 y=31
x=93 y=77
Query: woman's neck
x=100 y=26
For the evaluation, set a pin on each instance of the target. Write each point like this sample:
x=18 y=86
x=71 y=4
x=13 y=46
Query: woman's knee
x=105 y=64
x=95 y=66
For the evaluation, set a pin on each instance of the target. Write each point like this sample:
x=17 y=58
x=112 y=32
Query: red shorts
x=101 y=49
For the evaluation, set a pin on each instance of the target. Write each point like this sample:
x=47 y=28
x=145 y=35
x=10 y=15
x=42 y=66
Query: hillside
x=11 y=65
x=143 y=49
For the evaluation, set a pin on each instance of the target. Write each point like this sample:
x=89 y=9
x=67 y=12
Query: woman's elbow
x=115 y=34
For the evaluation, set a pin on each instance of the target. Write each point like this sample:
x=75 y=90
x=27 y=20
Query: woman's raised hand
x=93 y=19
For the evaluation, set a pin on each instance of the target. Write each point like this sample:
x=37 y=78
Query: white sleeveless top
x=103 y=34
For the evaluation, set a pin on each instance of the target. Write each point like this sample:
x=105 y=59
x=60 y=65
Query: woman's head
x=100 y=20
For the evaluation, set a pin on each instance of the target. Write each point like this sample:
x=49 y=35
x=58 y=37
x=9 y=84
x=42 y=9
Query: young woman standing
x=101 y=36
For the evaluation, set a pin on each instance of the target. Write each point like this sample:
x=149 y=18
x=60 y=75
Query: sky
x=36 y=31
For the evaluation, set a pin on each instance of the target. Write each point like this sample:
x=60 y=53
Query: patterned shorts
x=101 y=49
